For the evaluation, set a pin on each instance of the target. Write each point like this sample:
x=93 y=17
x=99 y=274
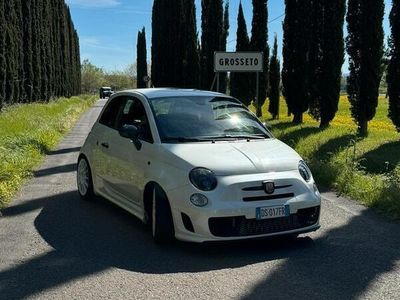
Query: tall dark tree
x=274 y=81
x=27 y=15
x=296 y=46
x=365 y=49
x=141 y=59
x=212 y=29
x=326 y=77
x=240 y=82
x=224 y=40
x=78 y=64
x=174 y=21
x=394 y=66
x=39 y=51
x=259 y=42
x=188 y=40
x=12 y=52
x=165 y=27
x=36 y=51
x=3 y=69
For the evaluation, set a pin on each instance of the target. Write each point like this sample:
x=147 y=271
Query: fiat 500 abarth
x=197 y=166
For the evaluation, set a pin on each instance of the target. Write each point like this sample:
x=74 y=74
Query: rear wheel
x=162 y=222
x=84 y=180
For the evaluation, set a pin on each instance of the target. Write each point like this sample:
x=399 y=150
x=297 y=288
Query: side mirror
x=131 y=132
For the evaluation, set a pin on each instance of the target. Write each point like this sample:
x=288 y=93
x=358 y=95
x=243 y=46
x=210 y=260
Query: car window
x=112 y=111
x=127 y=111
x=202 y=117
x=134 y=113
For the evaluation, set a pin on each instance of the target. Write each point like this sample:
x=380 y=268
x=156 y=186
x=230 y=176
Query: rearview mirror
x=131 y=132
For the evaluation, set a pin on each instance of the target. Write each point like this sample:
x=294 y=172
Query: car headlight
x=203 y=179
x=304 y=171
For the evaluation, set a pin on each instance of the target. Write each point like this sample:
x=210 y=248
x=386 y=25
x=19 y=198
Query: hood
x=241 y=157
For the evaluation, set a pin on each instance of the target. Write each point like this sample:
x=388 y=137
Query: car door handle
x=105 y=145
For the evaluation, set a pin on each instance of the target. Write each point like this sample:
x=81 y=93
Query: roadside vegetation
x=364 y=168
x=30 y=131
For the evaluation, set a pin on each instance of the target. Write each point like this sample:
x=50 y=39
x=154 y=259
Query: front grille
x=240 y=226
x=268 y=197
x=261 y=188
x=257 y=193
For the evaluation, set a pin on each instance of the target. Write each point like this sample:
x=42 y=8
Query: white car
x=198 y=166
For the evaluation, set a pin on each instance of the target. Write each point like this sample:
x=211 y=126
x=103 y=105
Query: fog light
x=199 y=200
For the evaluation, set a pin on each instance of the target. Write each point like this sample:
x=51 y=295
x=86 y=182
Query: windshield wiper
x=240 y=137
x=182 y=139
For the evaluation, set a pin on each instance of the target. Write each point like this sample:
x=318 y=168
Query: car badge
x=269 y=187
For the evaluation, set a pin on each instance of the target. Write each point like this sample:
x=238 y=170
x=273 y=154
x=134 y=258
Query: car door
x=127 y=169
x=103 y=133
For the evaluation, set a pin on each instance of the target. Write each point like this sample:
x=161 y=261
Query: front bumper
x=228 y=216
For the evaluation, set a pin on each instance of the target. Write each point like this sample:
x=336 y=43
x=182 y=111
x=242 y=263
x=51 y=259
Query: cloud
x=94 y=3
x=103 y=45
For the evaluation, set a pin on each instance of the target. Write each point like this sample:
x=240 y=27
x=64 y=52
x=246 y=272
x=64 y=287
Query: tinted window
x=111 y=112
x=133 y=113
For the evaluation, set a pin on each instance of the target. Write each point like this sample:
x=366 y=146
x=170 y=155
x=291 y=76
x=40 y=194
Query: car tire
x=162 y=221
x=84 y=180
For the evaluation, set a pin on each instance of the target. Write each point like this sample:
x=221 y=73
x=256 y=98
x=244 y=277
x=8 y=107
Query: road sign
x=238 y=62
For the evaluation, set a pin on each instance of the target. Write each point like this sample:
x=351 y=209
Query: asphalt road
x=55 y=246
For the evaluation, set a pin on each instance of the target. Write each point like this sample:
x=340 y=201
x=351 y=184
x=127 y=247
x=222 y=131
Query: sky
x=108 y=28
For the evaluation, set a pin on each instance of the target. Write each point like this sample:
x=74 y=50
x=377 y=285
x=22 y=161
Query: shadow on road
x=341 y=265
x=64 y=151
x=90 y=237
x=56 y=170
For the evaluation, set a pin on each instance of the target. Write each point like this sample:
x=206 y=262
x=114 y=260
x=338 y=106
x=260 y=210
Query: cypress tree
x=259 y=42
x=240 y=82
x=274 y=81
x=36 y=54
x=330 y=57
x=174 y=64
x=27 y=48
x=315 y=56
x=188 y=40
x=296 y=46
x=2 y=55
x=71 y=36
x=365 y=49
x=141 y=59
x=19 y=52
x=224 y=40
x=211 y=25
x=11 y=52
x=394 y=65
x=78 y=65
x=165 y=26
x=45 y=51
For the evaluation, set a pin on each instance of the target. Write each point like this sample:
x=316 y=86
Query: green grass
x=28 y=132
x=365 y=169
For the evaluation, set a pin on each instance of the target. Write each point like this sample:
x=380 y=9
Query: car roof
x=171 y=92
x=106 y=87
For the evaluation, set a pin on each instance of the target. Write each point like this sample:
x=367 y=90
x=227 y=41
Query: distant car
x=106 y=92
x=198 y=166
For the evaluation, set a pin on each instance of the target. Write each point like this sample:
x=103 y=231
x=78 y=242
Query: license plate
x=271 y=212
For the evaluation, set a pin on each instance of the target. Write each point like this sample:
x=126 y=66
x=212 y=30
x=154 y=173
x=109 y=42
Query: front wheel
x=84 y=180
x=162 y=222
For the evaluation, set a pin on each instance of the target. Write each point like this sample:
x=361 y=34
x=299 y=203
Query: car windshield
x=200 y=118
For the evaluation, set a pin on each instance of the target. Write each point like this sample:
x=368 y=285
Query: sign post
x=252 y=62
